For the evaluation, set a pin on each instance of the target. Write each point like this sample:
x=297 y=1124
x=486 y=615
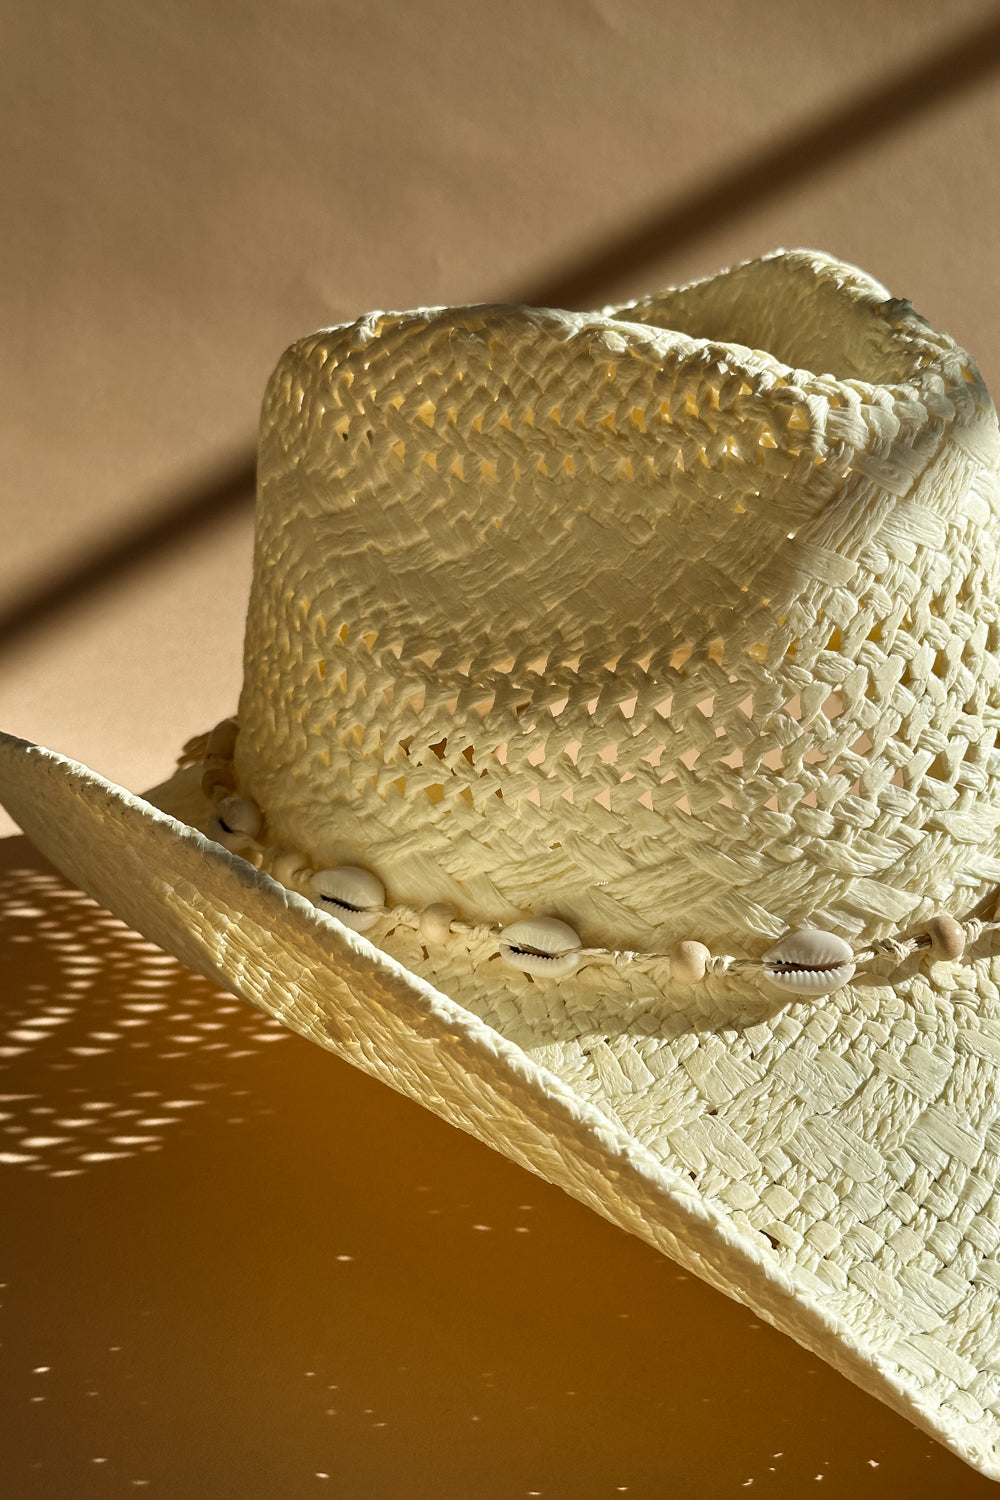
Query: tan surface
x=191 y=188
x=234 y=1266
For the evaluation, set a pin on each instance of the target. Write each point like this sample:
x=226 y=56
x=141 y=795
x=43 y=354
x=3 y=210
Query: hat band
x=805 y=962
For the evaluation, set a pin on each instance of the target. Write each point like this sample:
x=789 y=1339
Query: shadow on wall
x=808 y=150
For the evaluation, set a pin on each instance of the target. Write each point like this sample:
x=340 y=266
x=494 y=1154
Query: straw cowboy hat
x=616 y=773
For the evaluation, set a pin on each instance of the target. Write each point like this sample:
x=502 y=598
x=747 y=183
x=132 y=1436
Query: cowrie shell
x=349 y=894
x=238 y=815
x=235 y=823
x=541 y=945
x=234 y=842
x=809 y=962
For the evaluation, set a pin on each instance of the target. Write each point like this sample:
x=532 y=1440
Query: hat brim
x=146 y=862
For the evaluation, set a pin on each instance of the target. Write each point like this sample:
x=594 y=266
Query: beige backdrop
x=186 y=189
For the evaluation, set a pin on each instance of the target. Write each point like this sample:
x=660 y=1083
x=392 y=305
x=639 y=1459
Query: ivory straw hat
x=615 y=773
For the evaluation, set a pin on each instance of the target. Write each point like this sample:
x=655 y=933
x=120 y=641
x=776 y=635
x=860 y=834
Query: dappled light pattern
x=342 y=1295
x=91 y=1019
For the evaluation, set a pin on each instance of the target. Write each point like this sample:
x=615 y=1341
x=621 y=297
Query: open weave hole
x=664 y=635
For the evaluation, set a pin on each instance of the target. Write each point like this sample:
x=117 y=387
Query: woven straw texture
x=690 y=641
x=621 y=619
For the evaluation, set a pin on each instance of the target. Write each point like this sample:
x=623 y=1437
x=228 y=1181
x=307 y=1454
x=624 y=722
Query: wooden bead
x=435 y=922
x=290 y=870
x=222 y=740
x=218 y=781
x=689 y=962
x=947 y=937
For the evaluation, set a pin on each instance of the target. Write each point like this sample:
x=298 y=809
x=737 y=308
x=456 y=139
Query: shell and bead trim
x=353 y=895
x=806 y=962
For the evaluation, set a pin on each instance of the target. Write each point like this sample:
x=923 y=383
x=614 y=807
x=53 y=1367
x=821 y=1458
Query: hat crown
x=615 y=617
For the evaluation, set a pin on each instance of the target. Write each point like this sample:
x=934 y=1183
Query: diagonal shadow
x=841 y=132
x=834 y=135
x=170 y=525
